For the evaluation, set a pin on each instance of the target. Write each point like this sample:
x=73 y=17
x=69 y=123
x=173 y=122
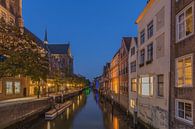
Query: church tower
x=19 y=17
x=11 y=12
x=45 y=38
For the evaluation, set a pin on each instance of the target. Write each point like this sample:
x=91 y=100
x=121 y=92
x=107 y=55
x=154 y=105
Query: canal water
x=87 y=112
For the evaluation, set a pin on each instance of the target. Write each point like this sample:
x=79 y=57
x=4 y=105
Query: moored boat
x=50 y=115
x=59 y=109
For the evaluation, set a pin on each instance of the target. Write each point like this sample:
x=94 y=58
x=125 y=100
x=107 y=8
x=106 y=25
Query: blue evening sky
x=93 y=27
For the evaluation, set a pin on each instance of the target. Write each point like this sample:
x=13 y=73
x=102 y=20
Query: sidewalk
x=20 y=100
x=30 y=99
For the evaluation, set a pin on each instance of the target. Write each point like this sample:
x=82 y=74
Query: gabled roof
x=116 y=54
x=37 y=39
x=127 y=41
x=58 y=48
x=148 y=6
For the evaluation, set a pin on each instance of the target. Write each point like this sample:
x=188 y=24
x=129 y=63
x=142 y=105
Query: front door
x=24 y=92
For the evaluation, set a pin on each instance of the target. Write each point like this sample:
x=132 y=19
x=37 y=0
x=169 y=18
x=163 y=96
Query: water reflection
x=48 y=125
x=90 y=112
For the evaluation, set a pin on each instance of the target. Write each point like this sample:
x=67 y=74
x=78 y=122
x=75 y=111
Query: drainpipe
x=170 y=77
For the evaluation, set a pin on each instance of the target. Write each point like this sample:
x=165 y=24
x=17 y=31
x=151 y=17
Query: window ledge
x=146 y=96
x=184 y=87
x=160 y=97
x=184 y=121
x=141 y=65
x=149 y=62
x=183 y=39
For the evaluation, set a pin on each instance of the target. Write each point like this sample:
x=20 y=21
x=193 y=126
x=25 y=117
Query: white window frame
x=176 y=77
x=132 y=103
x=12 y=88
x=177 y=22
x=17 y=82
x=151 y=89
x=176 y=110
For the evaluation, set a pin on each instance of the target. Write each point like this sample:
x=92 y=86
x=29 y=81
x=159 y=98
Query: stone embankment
x=22 y=111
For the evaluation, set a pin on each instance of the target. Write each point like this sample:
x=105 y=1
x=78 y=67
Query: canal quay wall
x=12 y=113
x=127 y=115
x=21 y=114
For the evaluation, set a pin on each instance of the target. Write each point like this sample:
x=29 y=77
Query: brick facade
x=124 y=72
x=179 y=49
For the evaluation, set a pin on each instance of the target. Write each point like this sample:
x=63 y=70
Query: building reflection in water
x=67 y=113
x=73 y=106
x=112 y=118
x=74 y=118
x=115 y=123
x=48 y=125
x=65 y=120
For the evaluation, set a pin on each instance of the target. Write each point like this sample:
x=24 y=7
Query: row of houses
x=60 y=58
x=152 y=75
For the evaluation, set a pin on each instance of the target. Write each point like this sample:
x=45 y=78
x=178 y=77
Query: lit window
x=1 y=87
x=133 y=85
x=184 y=110
x=150 y=29
x=146 y=86
x=184 y=72
x=185 y=23
x=160 y=85
x=17 y=88
x=9 y=88
x=132 y=103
